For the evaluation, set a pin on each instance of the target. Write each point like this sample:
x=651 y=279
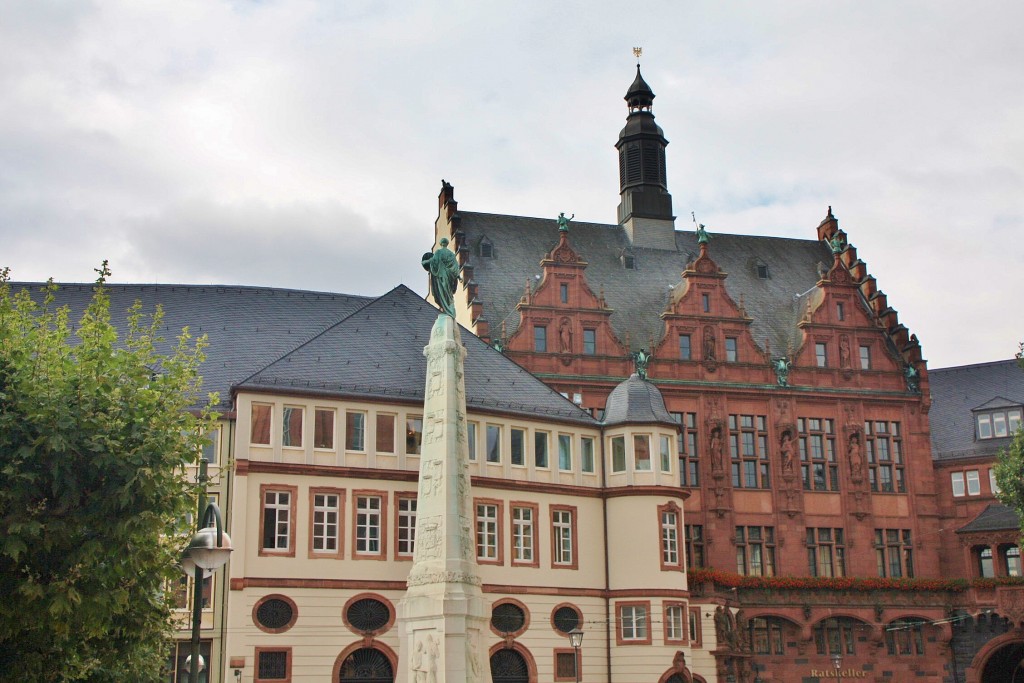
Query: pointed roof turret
x=639 y=96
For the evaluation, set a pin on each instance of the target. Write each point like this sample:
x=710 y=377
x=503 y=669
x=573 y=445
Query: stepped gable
x=377 y=353
x=638 y=297
x=959 y=390
x=247 y=327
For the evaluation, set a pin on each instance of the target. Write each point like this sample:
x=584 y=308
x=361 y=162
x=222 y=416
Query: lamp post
x=837 y=662
x=576 y=640
x=207 y=552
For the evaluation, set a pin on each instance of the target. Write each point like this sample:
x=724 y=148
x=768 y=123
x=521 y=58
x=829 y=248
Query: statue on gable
x=563 y=222
x=640 y=360
x=837 y=244
x=702 y=235
x=444 y=272
x=782 y=366
x=913 y=377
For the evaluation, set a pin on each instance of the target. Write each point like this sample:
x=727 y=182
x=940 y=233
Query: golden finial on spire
x=637 y=52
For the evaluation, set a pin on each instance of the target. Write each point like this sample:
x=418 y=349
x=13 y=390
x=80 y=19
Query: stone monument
x=443 y=617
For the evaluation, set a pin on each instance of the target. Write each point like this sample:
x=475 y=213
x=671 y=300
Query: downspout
x=227 y=470
x=607 y=551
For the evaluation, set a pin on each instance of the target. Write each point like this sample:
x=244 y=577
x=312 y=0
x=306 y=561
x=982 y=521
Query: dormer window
x=996 y=424
x=628 y=262
x=486 y=248
x=762 y=271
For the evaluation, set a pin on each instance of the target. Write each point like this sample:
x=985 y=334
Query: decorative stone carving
x=565 y=336
x=855 y=457
x=443 y=577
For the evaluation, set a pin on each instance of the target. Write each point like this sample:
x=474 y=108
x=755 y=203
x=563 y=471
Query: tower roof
x=639 y=95
x=636 y=401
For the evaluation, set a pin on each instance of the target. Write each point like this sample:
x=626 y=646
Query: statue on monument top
x=563 y=222
x=444 y=276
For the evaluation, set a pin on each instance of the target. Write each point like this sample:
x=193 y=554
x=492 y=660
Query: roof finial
x=637 y=52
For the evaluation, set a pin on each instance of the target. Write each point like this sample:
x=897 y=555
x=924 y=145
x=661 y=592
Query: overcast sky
x=302 y=144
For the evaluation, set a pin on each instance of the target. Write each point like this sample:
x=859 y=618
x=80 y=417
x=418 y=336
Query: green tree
x=1010 y=466
x=96 y=432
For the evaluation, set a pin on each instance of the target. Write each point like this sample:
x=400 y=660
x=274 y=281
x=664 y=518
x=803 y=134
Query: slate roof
x=377 y=353
x=956 y=392
x=636 y=401
x=639 y=296
x=995 y=517
x=248 y=327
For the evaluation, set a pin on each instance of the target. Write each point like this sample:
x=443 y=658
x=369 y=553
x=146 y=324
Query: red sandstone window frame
x=683 y=623
x=274 y=596
x=573 y=562
x=577 y=655
x=293 y=492
x=620 y=639
x=534 y=535
x=256 y=665
x=499 y=558
x=664 y=537
x=339 y=552
x=693 y=627
x=382 y=525
x=401 y=496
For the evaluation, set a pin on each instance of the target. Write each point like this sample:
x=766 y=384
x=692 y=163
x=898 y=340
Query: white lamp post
x=576 y=640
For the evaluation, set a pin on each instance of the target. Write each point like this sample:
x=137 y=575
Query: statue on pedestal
x=444 y=272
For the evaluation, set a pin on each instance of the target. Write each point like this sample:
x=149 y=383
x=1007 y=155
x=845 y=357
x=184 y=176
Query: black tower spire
x=643 y=185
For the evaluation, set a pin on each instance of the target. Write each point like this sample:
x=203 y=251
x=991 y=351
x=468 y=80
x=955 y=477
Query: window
x=1011 y=555
x=278 y=531
x=524 y=534
x=633 y=623
x=689 y=467
x=325 y=521
x=669 y=516
x=563 y=535
x=973 y=483
x=487 y=531
x=817 y=443
x=826 y=552
x=618 y=454
x=540 y=338
x=865 y=357
x=540 y=449
x=385 y=433
x=766 y=635
x=211 y=449
x=986 y=568
x=369 y=525
x=894 y=553
x=486 y=250
x=628 y=262
x=406 y=532
x=730 y=349
x=957 y=480
x=642 y=452
x=273 y=664
x=821 y=354
x=323 y=428
x=563 y=293
x=355 y=431
x=755 y=550
x=885 y=456
x=176 y=669
x=705 y=303
x=674 y=622
x=413 y=434
x=565 y=665
x=471 y=438
x=587 y=454
x=993 y=485
x=694 y=626
x=493 y=443
x=694 y=537
x=666 y=454
x=589 y=341
x=835 y=636
x=905 y=637
x=291 y=434
x=260 y=432
x=518 y=454
x=840 y=311
x=762 y=271
x=565 y=452
x=998 y=424
x=748 y=444
x=684 y=347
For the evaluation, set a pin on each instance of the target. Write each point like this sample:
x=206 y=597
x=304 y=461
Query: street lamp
x=576 y=640
x=207 y=552
x=837 y=661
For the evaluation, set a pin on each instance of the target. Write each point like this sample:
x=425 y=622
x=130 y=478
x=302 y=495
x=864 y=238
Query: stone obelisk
x=443 y=617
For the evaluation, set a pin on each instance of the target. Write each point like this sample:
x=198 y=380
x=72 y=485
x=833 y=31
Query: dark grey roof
x=959 y=390
x=248 y=327
x=377 y=353
x=636 y=401
x=639 y=296
x=995 y=517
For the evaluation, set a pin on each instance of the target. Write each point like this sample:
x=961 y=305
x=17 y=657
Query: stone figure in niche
x=844 y=352
x=433 y=654
x=716 y=448
x=709 y=344
x=444 y=272
x=565 y=336
x=854 y=456
x=563 y=222
x=782 y=366
x=723 y=627
x=419 y=664
x=786 y=450
x=913 y=378
x=640 y=361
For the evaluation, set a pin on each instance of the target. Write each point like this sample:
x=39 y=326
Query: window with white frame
x=587 y=454
x=523 y=534
x=413 y=434
x=996 y=424
x=993 y=485
x=973 y=483
x=368 y=525
x=618 y=454
x=326 y=511
x=561 y=535
x=471 y=439
x=865 y=357
x=355 y=431
x=323 y=428
x=642 y=452
x=957 y=481
x=540 y=449
x=277 y=519
x=633 y=623
x=821 y=354
x=517 y=454
x=385 y=437
x=487 y=531
x=291 y=434
x=406 y=526
x=565 y=452
x=670 y=537
x=493 y=443
x=666 y=454
x=259 y=434
x=674 y=622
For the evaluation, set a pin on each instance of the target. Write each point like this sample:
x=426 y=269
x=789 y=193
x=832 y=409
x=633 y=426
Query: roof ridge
x=955 y=368
x=171 y=285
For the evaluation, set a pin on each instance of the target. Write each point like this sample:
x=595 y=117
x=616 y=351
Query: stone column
x=443 y=617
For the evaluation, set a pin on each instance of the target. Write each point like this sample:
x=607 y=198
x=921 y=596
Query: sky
x=302 y=144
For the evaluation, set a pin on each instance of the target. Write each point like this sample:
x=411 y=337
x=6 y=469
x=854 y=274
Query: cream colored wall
x=632 y=476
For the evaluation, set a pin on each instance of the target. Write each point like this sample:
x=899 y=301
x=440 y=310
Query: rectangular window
x=840 y=311
x=175 y=670
x=413 y=434
x=894 y=553
x=821 y=354
x=566 y=666
x=666 y=454
x=973 y=483
x=1013 y=419
x=540 y=338
x=272 y=664
x=694 y=536
x=984 y=426
x=689 y=466
x=705 y=302
x=999 y=424
x=493 y=443
x=865 y=357
x=487 y=532
x=524 y=534
x=563 y=293
x=471 y=438
x=633 y=626
x=587 y=454
x=884 y=447
x=618 y=454
x=211 y=449
x=642 y=452
x=992 y=484
x=589 y=341
x=291 y=434
x=730 y=349
x=766 y=636
x=323 y=428
x=818 y=467
x=748 y=445
x=326 y=522
x=755 y=550
x=826 y=552
x=674 y=623
x=278 y=532
x=670 y=558
x=385 y=433
x=355 y=431
x=563 y=534
x=565 y=452
x=406 y=526
x=957 y=479
x=518 y=454
x=540 y=449
x=260 y=432
x=694 y=625
x=369 y=525
x=684 y=347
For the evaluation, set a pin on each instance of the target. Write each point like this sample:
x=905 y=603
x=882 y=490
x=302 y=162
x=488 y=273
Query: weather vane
x=637 y=51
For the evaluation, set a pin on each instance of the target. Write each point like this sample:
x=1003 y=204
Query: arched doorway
x=1005 y=664
x=508 y=666
x=366 y=665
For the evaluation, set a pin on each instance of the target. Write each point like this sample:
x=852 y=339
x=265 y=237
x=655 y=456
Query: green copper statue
x=563 y=222
x=782 y=367
x=444 y=276
x=702 y=235
x=640 y=361
x=837 y=244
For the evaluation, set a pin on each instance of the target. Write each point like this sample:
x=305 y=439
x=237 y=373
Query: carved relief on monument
x=434 y=427
x=431 y=477
x=428 y=540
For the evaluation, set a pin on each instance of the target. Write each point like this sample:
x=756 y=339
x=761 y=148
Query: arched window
x=508 y=666
x=766 y=635
x=366 y=665
x=835 y=636
x=905 y=637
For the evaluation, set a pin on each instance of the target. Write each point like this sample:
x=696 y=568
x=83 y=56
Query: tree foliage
x=96 y=433
x=1010 y=466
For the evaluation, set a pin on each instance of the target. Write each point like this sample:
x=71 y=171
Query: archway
x=508 y=666
x=366 y=665
x=1005 y=664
